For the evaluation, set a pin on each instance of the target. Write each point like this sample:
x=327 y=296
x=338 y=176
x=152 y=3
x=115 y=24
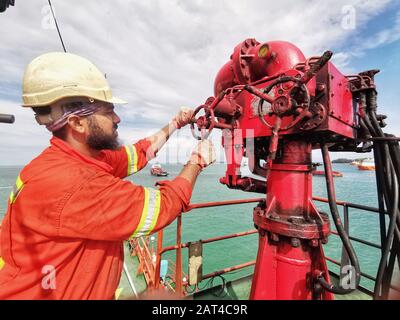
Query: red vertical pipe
x=281 y=272
x=284 y=267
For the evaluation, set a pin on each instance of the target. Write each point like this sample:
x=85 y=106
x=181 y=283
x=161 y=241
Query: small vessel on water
x=322 y=173
x=367 y=165
x=157 y=170
x=316 y=172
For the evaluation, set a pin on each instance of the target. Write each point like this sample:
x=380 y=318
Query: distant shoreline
x=345 y=160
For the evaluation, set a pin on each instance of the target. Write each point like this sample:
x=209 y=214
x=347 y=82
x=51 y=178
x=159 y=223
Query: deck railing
x=179 y=283
x=180 y=278
x=346 y=206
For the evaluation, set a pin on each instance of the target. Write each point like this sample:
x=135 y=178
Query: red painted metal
x=160 y=236
x=230 y=269
x=290 y=230
x=146 y=265
x=178 y=273
x=286 y=273
x=177 y=268
x=229 y=236
x=221 y=203
x=279 y=104
x=296 y=258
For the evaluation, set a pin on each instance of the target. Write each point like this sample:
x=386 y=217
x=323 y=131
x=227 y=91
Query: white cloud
x=158 y=55
x=378 y=39
x=22 y=140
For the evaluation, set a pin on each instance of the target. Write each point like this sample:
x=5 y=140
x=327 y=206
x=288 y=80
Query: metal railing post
x=178 y=264
x=345 y=260
x=158 y=259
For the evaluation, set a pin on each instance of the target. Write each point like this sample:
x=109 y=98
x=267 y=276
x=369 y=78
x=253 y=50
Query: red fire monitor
x=274 y=106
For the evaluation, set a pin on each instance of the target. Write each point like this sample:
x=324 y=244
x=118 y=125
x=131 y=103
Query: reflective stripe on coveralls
x=132 y=159
x=151 y=210
x=16 y=190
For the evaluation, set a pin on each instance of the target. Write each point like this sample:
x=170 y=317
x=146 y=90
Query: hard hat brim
x=113 y=100
x=117 y=100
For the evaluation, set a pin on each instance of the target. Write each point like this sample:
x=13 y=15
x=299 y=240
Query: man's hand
x=203 y=154
x=183 y=117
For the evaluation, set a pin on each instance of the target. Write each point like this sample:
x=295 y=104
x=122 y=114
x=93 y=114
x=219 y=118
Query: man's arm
x=131 y=158
x=158 y=139
x=190 y=172
x=107 y=208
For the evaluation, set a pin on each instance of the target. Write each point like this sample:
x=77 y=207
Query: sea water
x=355 y=186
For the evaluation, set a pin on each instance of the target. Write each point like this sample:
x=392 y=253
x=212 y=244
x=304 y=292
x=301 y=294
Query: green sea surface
x=355 y=186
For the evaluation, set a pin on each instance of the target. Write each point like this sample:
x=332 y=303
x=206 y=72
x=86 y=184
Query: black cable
x=394 y=149
x=55 y=21
x=389 y=239
x=371 y=113
x=387 y=156
x=392 y=201
x=339 y=227
x=363 y=107
x=381 y=200
x=387 y=278
x=205 y=286
x=210 y=284
x=223 y=286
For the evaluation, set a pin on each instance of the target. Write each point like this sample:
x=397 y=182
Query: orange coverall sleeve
x=107 y=208
x=128 y=159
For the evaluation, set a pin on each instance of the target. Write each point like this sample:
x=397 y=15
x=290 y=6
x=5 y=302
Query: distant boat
x=157 y=170
x=322 y=173
x=355 y=162
x=367 y=164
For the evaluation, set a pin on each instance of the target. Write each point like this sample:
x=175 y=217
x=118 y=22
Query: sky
x=160 y=55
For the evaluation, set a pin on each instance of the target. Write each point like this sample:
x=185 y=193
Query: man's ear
x=77 y=124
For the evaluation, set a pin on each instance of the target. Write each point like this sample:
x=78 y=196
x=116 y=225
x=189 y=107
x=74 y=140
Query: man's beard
x=98 y=139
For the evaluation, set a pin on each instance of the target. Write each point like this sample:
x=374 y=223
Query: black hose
x=394 y=149
x=383 y=158
x=387 y=278
x=364 y=127
x=389 y=239
x=339 y=227
x=387 y=156
x=381 y=200
x=384 y=145
x=363 y=107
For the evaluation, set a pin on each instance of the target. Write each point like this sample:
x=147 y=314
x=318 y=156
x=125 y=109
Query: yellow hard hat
x=58 y=75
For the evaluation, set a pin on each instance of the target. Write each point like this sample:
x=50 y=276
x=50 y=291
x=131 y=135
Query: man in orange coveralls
x=69 y=212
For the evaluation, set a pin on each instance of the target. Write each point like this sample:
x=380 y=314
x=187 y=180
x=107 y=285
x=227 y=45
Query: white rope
x=130 y=280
